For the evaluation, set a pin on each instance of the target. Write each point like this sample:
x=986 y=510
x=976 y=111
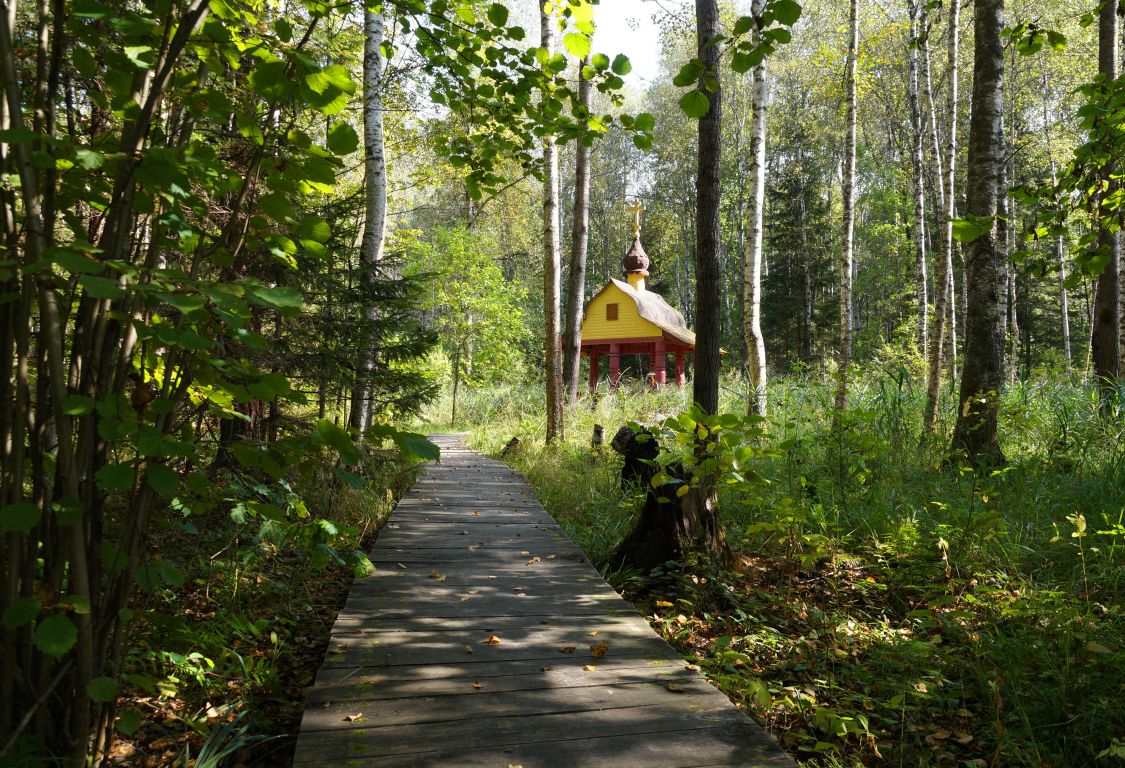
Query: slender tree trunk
x=1107 y=320
x=1064 y=301
x=708 y=270
x=847 y=255
x=579 y=236
x=552 y=268
x=808 y=328
x=976 y=433
x=916 y=170
x=375 y=213
x=752 y=264
x=944 y=284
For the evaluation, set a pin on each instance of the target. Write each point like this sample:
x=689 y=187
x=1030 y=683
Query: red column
x=679 y=367
x=614 y=365
x=659 y=353
x=595 y=367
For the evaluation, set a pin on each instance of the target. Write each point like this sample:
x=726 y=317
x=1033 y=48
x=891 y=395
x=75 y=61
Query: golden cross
x=635 y=207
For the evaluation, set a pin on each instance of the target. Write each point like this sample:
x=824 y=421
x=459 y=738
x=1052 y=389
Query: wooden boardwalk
x=484 y=638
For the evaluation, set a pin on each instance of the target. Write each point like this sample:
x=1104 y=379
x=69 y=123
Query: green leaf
x=101 y=287
x=497 y=15
x=162 y=479
x=129 y=722
x=19 y=517
x=20 y=611
x=644 y=122
x=342 y=139
x=743 y=25
x=786 y=11
x=270 y=80
x=334 y=76
x=56 y=635
x=599 y=61
x=316 y=229
x=578 y=44
x=115 y=477
x=339 y=438
x=621 y=65
x=1057 y=40
x=642 y=141
x=102 y=689
x=278 y=296
x=77 y=405
x=695 y=104
x=971 y=227
x=415 y=446
x=688 y=74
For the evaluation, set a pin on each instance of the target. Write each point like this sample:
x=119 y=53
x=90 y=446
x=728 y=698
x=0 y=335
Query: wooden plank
x=672 y=734
x=476 y=642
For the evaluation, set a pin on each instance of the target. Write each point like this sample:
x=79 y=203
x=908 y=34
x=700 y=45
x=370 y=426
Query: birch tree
x=976 y=432
x=847 y=256
x=579 y=236
x=752 y=262
x=916 y=142
x=944 y=284
x=375 y=210
x=552 y=277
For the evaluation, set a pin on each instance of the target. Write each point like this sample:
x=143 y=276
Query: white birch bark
x=847 y=255
x=943 y=305
x=914 y=7
x=375 y=204
x=752 y=262
x=552 y=265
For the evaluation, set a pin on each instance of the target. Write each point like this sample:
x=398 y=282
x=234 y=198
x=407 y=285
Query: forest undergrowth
x=223 y=654
x=889 y=605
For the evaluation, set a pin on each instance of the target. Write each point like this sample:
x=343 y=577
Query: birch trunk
x=579 y=235
x=847 y=256
x=752 y=264
x=976 y=433
x=1107 y=319
x=708 y=270
x=944 y=283
x=375 y=211
x=916 y=169
x=552 y=268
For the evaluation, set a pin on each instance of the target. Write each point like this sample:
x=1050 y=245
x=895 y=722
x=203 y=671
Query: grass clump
x=887 y=606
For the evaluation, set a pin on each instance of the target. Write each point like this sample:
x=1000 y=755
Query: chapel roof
x=652 y=307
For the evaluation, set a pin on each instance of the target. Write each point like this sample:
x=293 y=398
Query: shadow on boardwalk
x=485 y=638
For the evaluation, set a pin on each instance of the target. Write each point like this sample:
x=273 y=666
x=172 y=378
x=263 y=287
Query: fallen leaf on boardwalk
x=525 y=553
x=566 y=648
x=493 y=640
x=590 y=668
x=513 y=765
x=663 y=604
x=403 y=567
x=464 y=598
x=352 y=718
x=476 y=513
x=477 y=685
x=594 y=633
x=472 y=550
x=598 y=649
x=472 y=591
x=464 y=533
x=675 y=688
x=551 y=557
x=435 y=575
x=468 y=649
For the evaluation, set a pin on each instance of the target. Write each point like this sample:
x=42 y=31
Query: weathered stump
x=669 y=527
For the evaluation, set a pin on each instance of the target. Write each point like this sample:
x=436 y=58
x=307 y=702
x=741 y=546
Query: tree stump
x=669 y=527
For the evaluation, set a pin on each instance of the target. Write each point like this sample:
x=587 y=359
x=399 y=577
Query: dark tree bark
x=708 y=269
x=1105 y=340
x=579 y=235
x=976 y=433
x=669 y=527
